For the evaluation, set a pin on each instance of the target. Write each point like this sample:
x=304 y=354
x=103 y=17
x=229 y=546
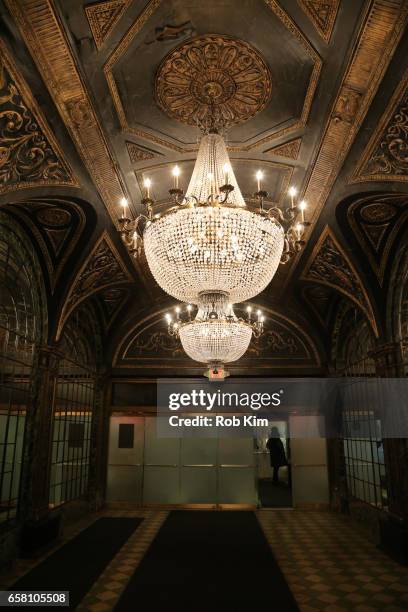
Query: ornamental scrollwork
x=330 y=266
x=157 y=343
x=276 y=342
x=27 y=155
x=391 y=154
x=101 y=270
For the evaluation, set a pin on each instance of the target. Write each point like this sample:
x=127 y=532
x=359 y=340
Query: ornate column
x=99 y=441
x=388 y=361
x=37 y=454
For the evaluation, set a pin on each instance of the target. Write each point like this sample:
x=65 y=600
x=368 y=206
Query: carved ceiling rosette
x=213 y=74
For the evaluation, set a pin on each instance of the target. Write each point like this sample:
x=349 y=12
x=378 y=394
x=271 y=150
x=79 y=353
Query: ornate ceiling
x=97 y=95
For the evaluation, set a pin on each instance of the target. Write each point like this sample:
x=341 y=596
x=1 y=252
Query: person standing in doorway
x=276 y=453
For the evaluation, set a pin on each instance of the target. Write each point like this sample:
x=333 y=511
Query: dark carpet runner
x=77 y=565
x=208 y=561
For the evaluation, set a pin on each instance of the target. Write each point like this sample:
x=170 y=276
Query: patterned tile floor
x=331 y=565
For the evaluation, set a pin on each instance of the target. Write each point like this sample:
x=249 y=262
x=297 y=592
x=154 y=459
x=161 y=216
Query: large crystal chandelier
x=212 y=249
x=216 y=335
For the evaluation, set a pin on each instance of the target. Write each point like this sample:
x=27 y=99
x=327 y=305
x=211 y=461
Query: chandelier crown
x=212 y=170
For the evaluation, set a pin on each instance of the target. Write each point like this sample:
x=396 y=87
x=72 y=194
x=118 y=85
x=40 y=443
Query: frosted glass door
x=125 y=463
x=162 y=467
x=236 y=471
x=198 y=472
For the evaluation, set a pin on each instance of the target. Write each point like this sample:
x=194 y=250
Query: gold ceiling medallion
x=103 y=16
x=323 y=15
x=213 y=74
x=155 y=137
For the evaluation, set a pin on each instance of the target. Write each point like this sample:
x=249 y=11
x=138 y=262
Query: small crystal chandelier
x=209 y=247
x=215 y=336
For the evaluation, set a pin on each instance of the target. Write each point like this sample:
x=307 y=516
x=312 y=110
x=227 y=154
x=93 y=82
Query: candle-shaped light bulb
x=259 y=314
x=226 y=170
x=292 y=192
x=262 y=319
x=124 y=204
x=259 y=177
x=167 y=316
x=177 y=310
x=147 y=183
x=135 y=239
x=299 y=230
x=176 y=174
x=189 y=309
x=303 y=207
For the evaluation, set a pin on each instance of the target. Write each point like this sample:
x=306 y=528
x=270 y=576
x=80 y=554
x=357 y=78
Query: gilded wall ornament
x=102 y=269
x=386 y=157
x=138 y=154
x=29 y=155
x=44 y=35
x=288 y=149
x=323 y=15
x=329 y=265
x=378 y=212
x=376 y=221
x=213 y=73
x=103 y=16
x=384 y=24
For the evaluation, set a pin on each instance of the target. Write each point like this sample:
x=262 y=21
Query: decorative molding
x=103 y=16
x=140 y=154
x=386 y=156
x=376 y=222
x=102 y=269
x=322 y=14
x=288 y=149
x=56 y=225
x=383 y=26
x=29 y=153
x=141 y=20
x=44 y=36
x=213 y=74
x=329 y=265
